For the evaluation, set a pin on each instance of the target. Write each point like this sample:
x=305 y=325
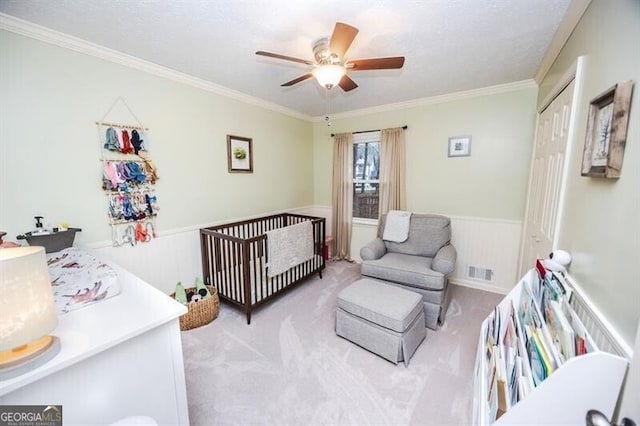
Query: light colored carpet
x=289 y=368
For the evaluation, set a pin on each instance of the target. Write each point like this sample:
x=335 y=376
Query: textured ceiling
x=449 y=45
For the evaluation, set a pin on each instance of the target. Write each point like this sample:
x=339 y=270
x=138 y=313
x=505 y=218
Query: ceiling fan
x=330 y=67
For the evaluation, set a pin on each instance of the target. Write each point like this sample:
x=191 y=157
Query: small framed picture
x=239 y=154
x=607 y=132
x=460 y=146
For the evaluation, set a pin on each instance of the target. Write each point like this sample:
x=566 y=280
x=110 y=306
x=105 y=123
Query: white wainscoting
x=174 y=255
x=486 y=243
x=602 y=331
x=321 y=211
x=162 y=262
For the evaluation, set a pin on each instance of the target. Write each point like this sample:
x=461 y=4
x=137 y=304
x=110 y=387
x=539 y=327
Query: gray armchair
x=422 y=263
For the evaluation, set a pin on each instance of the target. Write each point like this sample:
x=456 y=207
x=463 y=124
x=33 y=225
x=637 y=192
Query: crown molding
x=47 y=35
x=483 y=91
x=38 y=32
x=571 y=18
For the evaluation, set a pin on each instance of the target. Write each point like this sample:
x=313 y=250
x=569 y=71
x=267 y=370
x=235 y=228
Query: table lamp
x=27 y=311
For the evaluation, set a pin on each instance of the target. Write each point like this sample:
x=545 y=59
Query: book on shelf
x=492 y=389
x=561 y=331
x=551 y=291
x=502 y=380
x=584 y=342
x=544 y=351
x=510 y=337
x=566 y=289
x=522 y=381
x=513 y=381
x=489 y=338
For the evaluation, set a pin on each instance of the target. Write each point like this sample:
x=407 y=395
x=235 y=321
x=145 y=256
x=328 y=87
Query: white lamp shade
x=329 y=75
x=27 y=307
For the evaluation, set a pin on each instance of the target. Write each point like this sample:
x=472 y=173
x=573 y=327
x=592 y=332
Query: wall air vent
x=479 y=273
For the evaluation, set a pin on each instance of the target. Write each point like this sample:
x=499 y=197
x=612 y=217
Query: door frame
x=574 y=73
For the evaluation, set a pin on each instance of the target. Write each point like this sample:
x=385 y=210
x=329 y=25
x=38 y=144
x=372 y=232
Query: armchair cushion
x=427 y=234
x=374 y=250
x=406 y=269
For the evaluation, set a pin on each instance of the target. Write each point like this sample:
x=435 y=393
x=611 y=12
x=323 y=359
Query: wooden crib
x=235 y=256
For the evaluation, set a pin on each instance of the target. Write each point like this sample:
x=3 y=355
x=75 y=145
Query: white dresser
x=120 y=357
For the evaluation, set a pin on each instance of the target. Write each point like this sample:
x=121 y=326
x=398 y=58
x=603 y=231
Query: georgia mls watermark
x=30 y=415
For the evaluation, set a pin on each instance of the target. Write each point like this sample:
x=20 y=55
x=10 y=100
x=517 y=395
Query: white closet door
x=546 y=178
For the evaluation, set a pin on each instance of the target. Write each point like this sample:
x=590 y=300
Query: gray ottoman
x=384 y=319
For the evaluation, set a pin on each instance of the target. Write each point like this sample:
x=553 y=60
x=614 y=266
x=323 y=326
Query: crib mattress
x=80 y=279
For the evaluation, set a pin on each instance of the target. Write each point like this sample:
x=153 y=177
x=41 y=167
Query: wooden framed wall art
x=239 y=154
x=607 y=132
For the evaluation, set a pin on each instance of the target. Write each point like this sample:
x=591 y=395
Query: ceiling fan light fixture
x=330 y=66
x=329 y=75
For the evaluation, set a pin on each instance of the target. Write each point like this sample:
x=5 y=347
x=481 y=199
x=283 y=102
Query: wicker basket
x=201 y=312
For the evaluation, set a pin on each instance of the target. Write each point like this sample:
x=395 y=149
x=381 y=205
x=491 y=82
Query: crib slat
x=227 y=270
x=237 y=284
x=248 y=291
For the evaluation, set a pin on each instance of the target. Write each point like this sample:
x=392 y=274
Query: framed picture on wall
x=607 y=132
x=239 y=154
x=460 y=146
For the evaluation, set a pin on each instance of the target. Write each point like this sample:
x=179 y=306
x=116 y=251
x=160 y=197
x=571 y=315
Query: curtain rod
x=367 y=131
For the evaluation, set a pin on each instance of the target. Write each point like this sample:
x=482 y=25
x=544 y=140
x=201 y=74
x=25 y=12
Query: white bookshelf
x=581 y=383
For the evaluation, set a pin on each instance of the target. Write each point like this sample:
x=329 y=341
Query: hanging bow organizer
x=128 y=178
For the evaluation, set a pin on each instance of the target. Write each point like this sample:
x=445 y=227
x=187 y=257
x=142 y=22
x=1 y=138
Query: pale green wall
x=49 y=149
x=601 y=224
x=491 y=183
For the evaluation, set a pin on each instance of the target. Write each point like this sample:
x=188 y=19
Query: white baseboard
x=478 y=285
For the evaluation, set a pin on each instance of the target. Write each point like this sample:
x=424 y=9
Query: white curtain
x=392 y=170
x=342 y=195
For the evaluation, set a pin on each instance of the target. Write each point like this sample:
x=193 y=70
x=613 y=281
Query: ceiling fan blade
x=286 y=58
x=375 y=64
x=297 y=80
x=342 y=38
x=347 y=84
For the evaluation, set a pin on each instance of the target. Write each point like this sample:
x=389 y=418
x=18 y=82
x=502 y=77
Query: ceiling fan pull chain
x=326 y=117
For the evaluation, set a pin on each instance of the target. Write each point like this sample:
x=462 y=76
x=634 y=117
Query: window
x=366 y=168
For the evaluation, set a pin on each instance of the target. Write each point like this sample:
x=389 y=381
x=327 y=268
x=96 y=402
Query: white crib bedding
x=268 y=287
x=79 y=279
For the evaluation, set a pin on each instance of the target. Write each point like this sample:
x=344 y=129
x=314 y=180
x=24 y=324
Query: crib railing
x=235 y=256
